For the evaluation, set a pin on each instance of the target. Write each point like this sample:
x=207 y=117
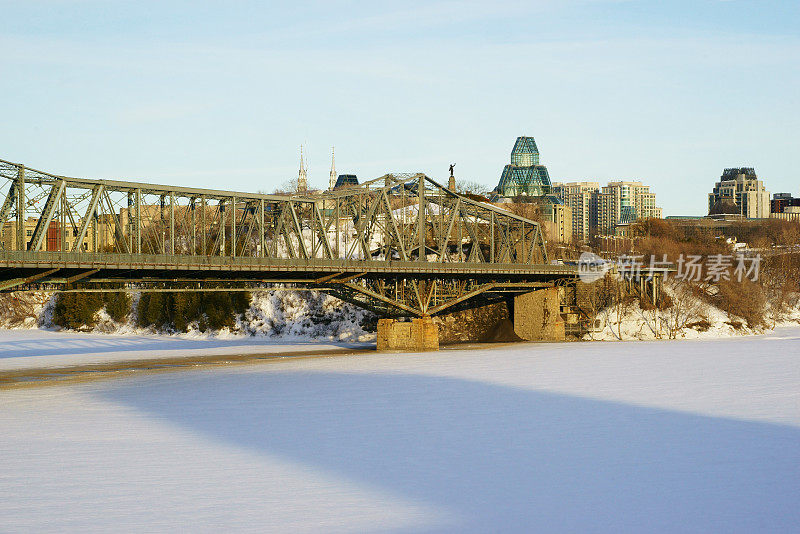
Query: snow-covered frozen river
x=672 y=436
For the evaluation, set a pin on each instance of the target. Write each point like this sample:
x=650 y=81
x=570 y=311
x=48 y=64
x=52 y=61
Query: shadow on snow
x=499 y=457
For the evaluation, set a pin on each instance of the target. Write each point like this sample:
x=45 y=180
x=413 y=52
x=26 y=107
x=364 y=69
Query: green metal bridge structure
x=401 y=245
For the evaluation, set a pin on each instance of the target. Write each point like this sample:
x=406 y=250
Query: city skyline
x=669 y=94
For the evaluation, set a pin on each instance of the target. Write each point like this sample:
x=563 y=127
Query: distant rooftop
x=346 y=180
x=733 y=172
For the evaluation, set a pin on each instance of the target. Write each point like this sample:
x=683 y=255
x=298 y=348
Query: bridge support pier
x=537 y=315
x=418 y=335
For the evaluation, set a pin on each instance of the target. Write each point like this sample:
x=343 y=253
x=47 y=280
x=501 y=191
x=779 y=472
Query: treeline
x=173 y=310
x=776 y=289
x=211 y=310
x=660 y=236
x=79 y=310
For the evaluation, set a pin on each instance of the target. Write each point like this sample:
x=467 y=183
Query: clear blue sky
x=222 y=94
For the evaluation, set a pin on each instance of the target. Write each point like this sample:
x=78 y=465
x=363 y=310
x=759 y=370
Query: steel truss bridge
x=399 y=245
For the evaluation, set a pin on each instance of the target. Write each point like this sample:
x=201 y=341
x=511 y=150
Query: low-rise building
x=781 y=201
x=789 y=213
x=58 y=238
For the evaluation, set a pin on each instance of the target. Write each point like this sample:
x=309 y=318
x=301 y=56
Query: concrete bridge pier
x=537 y=315
x=419 y=334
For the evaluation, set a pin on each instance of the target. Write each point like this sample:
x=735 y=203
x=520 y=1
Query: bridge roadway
x=131 y=267
x=455 y=285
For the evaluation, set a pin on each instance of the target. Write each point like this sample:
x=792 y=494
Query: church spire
x=302 y=176
x=333 y=171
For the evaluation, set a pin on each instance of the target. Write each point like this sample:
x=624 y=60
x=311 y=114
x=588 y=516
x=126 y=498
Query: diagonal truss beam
x=53 y=200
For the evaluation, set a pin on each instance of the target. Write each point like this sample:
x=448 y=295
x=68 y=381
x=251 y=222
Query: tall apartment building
x=740 y=191
x=581 y=198
x=625 y=202
x=597 y=210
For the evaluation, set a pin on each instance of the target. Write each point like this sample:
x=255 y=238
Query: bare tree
x=470 y=186
x=685 y=307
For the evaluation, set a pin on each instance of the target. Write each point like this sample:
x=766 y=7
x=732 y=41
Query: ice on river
x=666 y=436
x=37 y=349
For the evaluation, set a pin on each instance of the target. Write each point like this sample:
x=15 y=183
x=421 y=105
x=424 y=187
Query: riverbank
x=39 y=349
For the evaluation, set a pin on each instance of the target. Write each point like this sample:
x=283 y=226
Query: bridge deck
x=138 y=265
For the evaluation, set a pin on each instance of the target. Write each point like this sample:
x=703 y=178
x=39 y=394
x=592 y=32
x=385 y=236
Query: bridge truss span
x=399 y=244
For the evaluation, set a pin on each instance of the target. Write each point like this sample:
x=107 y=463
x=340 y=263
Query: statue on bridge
x=451 y=169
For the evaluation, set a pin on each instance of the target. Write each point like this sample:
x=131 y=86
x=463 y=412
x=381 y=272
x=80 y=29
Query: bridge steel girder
x=400 y=229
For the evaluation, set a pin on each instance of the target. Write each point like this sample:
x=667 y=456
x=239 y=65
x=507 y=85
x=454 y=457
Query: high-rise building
x=581 y=197
x=597 y=210
x=740 y=191
x=623 y=203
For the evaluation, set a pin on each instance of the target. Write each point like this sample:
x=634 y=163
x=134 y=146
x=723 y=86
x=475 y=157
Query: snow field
x=663 y=436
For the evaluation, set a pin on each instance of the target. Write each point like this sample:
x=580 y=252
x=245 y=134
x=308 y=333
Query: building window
x=29 y=233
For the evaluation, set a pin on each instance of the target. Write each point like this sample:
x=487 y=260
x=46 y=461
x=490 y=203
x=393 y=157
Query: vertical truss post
x=130 y=225
x=312 y=227
x=203 y=225
x=261 y=241
x=338 y=218
x=21 y=207
x=139 y=221
x=421 y=218
x=161 y=237
x=172 y=222
x=193 y=210
x=63 y=232
x=233 y=226
x=222 y=224
x=94 y=230
x=491 y=238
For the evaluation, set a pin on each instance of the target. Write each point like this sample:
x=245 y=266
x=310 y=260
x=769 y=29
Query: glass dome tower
x=524 y=176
